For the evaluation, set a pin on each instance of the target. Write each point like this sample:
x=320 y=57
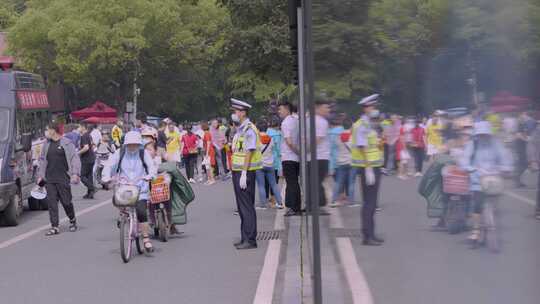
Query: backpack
x=141 y=156
x=475 y=148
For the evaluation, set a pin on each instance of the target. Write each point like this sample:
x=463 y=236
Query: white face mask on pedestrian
x=235 y=117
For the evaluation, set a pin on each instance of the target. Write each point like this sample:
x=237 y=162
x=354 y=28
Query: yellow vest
x=373 y=156
x=239 y=155
x=116 y=134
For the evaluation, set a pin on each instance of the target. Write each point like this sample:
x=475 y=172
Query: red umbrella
x=101 y=120
x=505 y=98
x=98 y=109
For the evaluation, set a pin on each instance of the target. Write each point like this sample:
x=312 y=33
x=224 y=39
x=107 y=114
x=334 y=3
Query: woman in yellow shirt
x=173 y=143
x=434 y=137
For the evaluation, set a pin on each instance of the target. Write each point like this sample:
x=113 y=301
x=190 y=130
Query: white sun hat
x=133 y=138
x=482 y=128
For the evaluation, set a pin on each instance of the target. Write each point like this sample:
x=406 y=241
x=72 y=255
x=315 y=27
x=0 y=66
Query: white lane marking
x=267 y=279
x=353 y=273
x=521 y=198
x=279 y=223
x=33 y=232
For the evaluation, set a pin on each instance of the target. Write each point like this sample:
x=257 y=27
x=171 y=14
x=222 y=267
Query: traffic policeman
x=246 y=160
x=367 y=158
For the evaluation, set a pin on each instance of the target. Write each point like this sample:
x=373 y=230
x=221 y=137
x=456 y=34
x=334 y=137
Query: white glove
x=370 y=177
x=243 y=180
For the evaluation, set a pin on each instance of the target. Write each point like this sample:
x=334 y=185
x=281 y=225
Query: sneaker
x=352 y=205
x=192 y=181
x=279 y=206
x=334 y=204
x=418 y=174
x=208 y=183
x=261 y=207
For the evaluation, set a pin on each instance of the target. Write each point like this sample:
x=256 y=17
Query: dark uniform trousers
x=59 y=192
x=245 y=201
x=370 y=195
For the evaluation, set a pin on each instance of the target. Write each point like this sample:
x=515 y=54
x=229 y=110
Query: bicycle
x=126 y=196
x=160 y=197
x=488 y=227
x=492 y=187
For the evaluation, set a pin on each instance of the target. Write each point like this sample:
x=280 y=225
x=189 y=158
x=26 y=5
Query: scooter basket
x=160 y=190
x=455 y=181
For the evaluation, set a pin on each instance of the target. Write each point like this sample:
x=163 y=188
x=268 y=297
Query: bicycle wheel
x=125 y=239
x=138 y=243
x=163 y=227
x=492 y=239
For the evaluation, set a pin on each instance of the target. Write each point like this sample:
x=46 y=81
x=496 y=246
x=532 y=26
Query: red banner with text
x=32 y=100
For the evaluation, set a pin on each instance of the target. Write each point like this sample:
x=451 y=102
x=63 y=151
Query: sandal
x=147 y=244
x=73 y=226
x=53 y=231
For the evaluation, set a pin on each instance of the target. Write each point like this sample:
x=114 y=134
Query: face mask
x=235 y=117
x=146 y=141
x=374 y=114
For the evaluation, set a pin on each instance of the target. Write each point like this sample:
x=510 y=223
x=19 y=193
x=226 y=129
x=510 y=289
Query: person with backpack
x=136 y=164
x=484 y=154
x=267 y=173
x=345 y=176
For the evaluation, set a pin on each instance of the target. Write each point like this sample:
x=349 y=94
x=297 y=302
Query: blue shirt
x=74 y=137
x=491 y=158
x=334 y=134
x=132 y=168
x=276 y=148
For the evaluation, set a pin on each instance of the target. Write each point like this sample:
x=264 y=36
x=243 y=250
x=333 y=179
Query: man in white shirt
x=322 y=112
x=290 y=159
x=96 y=136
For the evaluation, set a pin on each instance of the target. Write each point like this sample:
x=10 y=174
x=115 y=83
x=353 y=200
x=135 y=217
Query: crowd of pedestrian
x=368 y=147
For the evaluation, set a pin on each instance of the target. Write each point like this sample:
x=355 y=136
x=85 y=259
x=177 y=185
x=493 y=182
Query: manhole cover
x=268 y=235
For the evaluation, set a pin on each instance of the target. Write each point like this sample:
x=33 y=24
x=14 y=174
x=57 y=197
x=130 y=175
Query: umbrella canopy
x=101 y=120
x=505 y=98
x=98 y=109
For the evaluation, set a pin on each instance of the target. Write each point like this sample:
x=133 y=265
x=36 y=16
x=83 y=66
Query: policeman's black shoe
x=238 y=243
x=246 y=245
x=370 y=242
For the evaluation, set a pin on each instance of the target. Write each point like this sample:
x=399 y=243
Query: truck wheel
x=10 y=216
x=33 y=204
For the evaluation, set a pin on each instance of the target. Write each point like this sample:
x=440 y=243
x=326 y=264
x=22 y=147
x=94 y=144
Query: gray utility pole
x=305 y=29
x=136 y=91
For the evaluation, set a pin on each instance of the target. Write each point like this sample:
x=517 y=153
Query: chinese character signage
x=30 y=100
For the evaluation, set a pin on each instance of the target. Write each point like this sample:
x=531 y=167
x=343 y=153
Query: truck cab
x=24 y=114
